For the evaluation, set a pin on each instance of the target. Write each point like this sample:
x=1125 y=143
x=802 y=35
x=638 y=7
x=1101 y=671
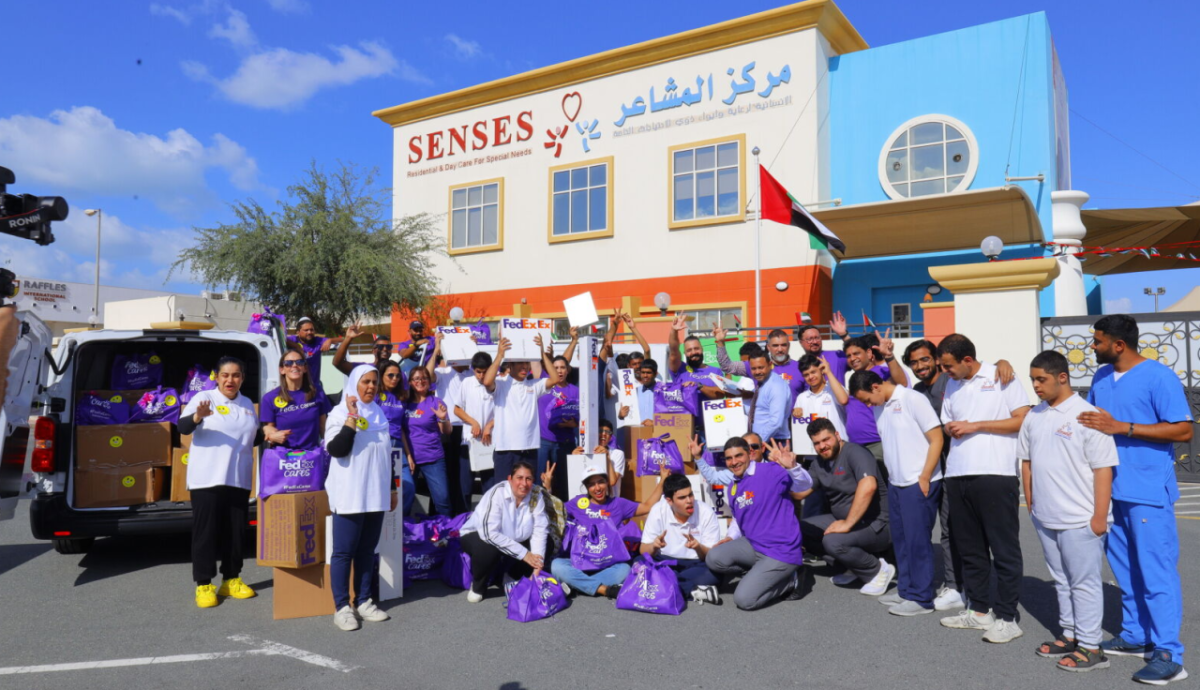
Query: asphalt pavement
x=128 y=603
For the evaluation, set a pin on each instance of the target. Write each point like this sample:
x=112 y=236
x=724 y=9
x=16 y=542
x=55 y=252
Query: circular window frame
x=972 y=146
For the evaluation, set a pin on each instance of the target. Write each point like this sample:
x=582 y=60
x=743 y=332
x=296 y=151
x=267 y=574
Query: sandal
x=1058 y=647
x=1083 y=660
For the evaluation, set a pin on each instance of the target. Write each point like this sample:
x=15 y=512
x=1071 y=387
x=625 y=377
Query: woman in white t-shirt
x=361 y=487
x=224 y=430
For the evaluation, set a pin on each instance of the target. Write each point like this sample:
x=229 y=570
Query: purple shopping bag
x=423 y=553
x=131 y=372
x=261 y=323
x=676 y=398
x=198 y=379
x=288 y=471
x=456 y=568
x=596 y=546
x=483 y=333
x=652 y=587
x=158 y=405
x=658 y=451
x=631 y=534
x=93 y=409
x=533 y=599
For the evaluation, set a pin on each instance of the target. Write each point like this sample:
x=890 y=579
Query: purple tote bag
x=93 y=410
x=131 y=372
x=652 y=587
x=596 y=547
x=261 y=323
x=676 y=398
x=423 y=554
x=287 y=471
x=656 y=452
x=198 y=379
x=533 y=599
x=158 y=405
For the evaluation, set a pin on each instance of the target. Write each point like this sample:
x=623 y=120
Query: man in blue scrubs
x=1143 y=406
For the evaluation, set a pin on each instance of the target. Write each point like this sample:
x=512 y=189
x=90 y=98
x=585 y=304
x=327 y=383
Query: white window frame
x=905 y=330
x=972 y=147
x=739 y=215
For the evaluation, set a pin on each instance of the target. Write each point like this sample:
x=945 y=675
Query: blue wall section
x=997 y=79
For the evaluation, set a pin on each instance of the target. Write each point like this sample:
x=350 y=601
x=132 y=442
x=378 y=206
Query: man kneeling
x=764 y=540
x=683 y=530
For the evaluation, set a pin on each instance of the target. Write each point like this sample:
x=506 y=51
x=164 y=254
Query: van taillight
x=43 y=445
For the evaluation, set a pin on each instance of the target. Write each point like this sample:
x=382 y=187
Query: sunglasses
x=383 y=347
x=293 y=363
x=755 y=446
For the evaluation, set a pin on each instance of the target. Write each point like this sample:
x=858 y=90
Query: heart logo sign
x=571 y=103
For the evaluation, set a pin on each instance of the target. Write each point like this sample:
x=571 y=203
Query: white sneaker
x=565 y=588
x=706 y=594
x=345 y=619
x=843 y=579
x=879 y=584
x=949 y=599
x=474 y=597
x=1003 y=631
x=371 y=613
x=908 y=608
x=892 y=598
x=970 y=620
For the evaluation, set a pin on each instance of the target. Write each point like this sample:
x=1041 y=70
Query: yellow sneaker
x=206 y=596
x=237 y=589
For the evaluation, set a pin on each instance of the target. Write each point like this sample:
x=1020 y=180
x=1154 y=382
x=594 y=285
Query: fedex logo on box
x=308 y=531
x=671 y=420
x=726 y=404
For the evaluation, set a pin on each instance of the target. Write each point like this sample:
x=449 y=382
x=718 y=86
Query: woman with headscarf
x=361 y=488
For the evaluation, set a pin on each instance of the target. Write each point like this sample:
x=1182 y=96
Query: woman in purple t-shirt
x=293 y=415
x=426 y=420
x=558 y=419
x=392 y=400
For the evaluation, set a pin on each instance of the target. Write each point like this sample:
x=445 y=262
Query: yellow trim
x=743 y=305
x=996 y=276
x=499 y=246
x=937 y=305
x=740 y=216
x=822 y=15
x=595 y=234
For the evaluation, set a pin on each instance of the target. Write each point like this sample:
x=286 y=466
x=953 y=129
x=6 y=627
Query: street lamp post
x=99 y=213
x=1155 y=293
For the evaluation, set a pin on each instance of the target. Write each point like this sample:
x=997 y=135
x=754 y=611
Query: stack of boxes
x=122 y=464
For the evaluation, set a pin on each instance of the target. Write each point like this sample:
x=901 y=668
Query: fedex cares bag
x=653 y=453
x=423 y=553
x=677 y=397
x=136 y=371
x=286 y=471
x=596 y=547
x=158 y=405
x=651 y=587
x=533 y=599
x=198 y=379
x=93 y=409
x=261 y=323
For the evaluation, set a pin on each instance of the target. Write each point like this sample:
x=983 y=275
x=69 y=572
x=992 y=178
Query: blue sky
x=233 y=99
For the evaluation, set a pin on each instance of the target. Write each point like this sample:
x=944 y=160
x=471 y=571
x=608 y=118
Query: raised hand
x=352 y=406
x=573 y=331
x=886 y=345
x=719 y=333
x=548 y=475
x=354 y=330
x=838 y=324
x=441 y=412
x=664 y=471
x=503 y=347
x=781 y=454
x=204 y=409
x=679 y=324
x=694 y=447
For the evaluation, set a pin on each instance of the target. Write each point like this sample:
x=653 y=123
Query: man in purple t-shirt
x=763 y=545
x=863 y=354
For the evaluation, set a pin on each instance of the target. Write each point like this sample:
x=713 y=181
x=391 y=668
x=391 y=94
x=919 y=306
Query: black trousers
x=985 y=528
x=485 y=558
x=218 y=525
x=452 y=450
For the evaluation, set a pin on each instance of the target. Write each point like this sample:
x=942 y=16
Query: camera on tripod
x=28 y=216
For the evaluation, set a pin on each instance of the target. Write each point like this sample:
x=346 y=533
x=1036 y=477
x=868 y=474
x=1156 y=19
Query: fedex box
x=291 y=529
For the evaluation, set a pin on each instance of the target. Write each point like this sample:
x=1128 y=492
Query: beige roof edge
x=823 y=15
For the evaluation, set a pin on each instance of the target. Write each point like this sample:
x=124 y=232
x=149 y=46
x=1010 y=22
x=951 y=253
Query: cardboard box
x=291 y=529
x=130 y=444
x=104 y=485
x=679 y=427
x=179 y=490
x=639 y=488
x=306 y=592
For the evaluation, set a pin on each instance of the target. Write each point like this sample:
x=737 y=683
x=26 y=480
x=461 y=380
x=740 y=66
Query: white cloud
x=236 y=30
x=288 y=6
x=172 y=12
x=83 y=150
x=1124 y=305
x=281 y=78
x=463 y=48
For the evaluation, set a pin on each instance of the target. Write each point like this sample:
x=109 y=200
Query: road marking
x=264 y=648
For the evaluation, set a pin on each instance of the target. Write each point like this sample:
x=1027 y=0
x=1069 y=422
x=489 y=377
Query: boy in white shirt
x=476 y=407
x=517 y=435
x=682 y=529
x=1067 y=470
x=911 y=434
x=823 y=396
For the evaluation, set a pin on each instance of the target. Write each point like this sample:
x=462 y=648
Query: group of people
x=887 y=460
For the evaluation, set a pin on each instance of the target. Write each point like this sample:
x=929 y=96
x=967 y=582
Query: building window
x=562 y=329
x=476 y=217
x=703 y=319
x=708 y=182
x=902 y=320
x=931 y=154
x=581 y=200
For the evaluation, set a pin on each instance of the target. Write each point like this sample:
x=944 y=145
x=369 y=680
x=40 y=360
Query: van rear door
x=25 y=380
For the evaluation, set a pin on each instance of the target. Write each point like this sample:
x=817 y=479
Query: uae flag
x=781 y=207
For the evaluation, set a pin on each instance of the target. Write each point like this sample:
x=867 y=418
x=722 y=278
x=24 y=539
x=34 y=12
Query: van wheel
x=70 y=546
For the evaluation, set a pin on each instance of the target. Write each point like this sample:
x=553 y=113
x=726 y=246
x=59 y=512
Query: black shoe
x=612 y=591
x=801 y=584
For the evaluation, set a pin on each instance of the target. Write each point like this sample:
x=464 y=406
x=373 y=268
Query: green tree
x=331 y=251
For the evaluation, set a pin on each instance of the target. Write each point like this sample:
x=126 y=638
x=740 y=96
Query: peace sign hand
x=718 y=333
x=548 y=475
x=679 y=323
x=886 y=345
x=782 y=454
x=695 y=448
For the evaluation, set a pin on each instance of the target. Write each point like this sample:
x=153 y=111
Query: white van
x=82 y=362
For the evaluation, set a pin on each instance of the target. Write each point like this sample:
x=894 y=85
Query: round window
x=931 y=154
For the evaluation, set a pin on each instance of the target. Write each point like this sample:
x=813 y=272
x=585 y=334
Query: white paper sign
x=457 y=346
x=581 y=310
x=627 y=385
x=575 y=465
x=521 y=332
x=723 y=420
x=801 y=443
x=481 y=455
x=590 y=391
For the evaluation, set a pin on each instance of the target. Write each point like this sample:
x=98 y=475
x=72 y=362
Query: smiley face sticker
x=280 y=402
x=583 y=503
x=223 y=409
x=171 y=401
x=361 y=423
x=116 y=441
x=718 y=418
x=115 y=399
x=128 y=481
x=155 y=359
x=183 y=460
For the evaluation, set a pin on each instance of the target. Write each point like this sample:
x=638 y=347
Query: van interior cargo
x=144 y=489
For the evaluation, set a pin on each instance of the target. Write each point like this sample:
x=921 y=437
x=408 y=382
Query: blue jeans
x=408 y=490
x=556 y=452
x=692 y=573
x=588 y=583
x=355 y=537
x=439 y=485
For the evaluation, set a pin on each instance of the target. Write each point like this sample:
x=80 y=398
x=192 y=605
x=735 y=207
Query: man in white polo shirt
x=516 y=433
x=1067 y=469
x=982 y=417
x=912 y=450
x=682 y=529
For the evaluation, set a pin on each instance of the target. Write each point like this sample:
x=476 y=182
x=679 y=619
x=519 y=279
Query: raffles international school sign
x=42 y=291
x=732 y=91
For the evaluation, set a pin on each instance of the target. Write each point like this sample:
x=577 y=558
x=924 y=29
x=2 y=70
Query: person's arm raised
x=340 y=361
x=489 y=377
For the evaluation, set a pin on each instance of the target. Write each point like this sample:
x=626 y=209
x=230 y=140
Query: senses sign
x=497 y=131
